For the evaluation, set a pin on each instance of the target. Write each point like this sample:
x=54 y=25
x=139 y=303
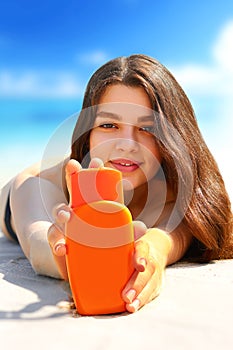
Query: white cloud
x=39 y=84
x=216 y=79
x=48 y=84
x=97 y=57
x=215 y=84
x=197 y=79
x=223 y=48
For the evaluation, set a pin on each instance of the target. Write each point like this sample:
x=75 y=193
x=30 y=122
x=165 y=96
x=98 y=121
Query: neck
x=136 y=199
x=145 y=201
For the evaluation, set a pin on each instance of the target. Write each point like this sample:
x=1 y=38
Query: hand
x=151 y=250
x=146 y=281
x=61 y=214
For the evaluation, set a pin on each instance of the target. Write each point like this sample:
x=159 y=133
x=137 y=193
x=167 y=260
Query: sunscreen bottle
x=99 y=240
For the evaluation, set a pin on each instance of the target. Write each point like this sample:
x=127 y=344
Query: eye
x=149 y=129
x=107 y=126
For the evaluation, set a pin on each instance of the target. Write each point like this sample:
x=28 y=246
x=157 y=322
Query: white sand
x=194 y=311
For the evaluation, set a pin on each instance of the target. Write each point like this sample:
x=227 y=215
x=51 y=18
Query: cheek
x=99 y=146
x=153 y=151
x=95 y=140
x=153 y=167
x=153 y=159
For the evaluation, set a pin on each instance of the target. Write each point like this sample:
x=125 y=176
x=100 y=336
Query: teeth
x=125 y=164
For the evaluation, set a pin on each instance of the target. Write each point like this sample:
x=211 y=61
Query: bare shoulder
x=54 y=173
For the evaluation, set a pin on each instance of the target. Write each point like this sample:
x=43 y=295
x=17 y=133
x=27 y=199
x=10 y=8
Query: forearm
x=160 y=245
x=32 y=220
x=168 y=248
x=181 y=240
x=40 y=254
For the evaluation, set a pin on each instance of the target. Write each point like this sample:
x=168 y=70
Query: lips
x=125 y=165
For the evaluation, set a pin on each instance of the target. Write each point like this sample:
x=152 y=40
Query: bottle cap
x=96 y=184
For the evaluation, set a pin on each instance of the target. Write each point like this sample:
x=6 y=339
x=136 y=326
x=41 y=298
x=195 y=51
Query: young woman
x=135 y=118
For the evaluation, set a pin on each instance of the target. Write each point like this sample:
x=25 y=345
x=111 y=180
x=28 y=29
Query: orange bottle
x=100 y=241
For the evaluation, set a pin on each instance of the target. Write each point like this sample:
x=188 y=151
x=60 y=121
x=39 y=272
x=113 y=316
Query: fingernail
x=142 y=262
x=63 y=212
x=58 y=248
x=135 y=304
x=64 y=215
x=131 y=295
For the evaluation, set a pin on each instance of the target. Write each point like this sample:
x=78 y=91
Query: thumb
x=139 y=229
x=73 y=166
x=56 y=240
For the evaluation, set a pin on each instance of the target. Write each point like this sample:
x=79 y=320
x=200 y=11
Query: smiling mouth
x=125 y=165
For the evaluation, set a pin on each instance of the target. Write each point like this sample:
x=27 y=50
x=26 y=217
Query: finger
x=56 y=240
x=61 y=213
x=141 y=255
x=73 y=166
x=138 y=281
x=96 y=163
x=149 y=292
x=139 y=229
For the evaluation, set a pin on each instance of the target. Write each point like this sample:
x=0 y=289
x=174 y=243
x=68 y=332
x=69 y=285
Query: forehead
x=126 y=94
x=124 y=112
x=124 y=101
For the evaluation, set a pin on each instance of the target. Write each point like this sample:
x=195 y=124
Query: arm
x=158 y=249
x=32 y=218
x=180 y=242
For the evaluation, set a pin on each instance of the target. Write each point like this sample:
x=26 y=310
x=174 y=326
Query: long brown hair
x=208 y=214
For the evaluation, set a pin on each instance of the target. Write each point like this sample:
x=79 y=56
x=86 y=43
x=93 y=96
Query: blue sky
x=58 y=34
x=49 y=49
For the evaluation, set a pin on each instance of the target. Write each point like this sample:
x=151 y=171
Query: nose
x=127 y=142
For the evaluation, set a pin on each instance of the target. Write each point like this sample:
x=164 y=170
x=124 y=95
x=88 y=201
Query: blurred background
x=49 y=49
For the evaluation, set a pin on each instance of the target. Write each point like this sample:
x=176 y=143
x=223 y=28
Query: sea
x=27 y=127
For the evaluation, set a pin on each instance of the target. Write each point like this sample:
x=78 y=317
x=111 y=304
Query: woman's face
x=122 y=134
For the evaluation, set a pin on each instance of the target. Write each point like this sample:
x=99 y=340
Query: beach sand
x=194 y=311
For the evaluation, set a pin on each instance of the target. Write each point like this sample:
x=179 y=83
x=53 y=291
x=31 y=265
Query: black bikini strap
x=7 y=220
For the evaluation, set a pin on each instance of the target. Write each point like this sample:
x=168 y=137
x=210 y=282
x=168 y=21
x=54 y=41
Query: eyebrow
x=104 y=114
